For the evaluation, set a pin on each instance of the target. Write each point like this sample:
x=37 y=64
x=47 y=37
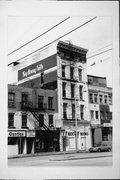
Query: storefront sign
x=16 y=134
x=31 y=134
x=71 y=134
x=84 y=133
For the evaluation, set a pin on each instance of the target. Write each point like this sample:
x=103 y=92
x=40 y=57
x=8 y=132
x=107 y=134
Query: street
x=79 y=159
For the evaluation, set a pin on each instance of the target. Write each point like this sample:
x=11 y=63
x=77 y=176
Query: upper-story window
x=81 y=112
x=91 y=98
x=110 y=98
x=50 y=120
x=50 y=102
x=92 y=114
x=73 y=111
x=24 y=120
x=24 y=99
x=64 y=89
x=72 y=90
x=96 y=114
x=105 y=99
x=41 y=120
x=40 y=101
x=81 y=92
x=10 y=120
x=11 y=100
x=63 y=70
x=110 y=115
x=72 y=72
x=64 y=110
x=95 y=98
x=80 y=74
x=101 y=98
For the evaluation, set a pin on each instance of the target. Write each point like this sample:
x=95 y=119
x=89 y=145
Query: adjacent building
x=100 y=105
x=31 y=120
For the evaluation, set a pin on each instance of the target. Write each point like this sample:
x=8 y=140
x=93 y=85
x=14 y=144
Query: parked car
x=99 y=148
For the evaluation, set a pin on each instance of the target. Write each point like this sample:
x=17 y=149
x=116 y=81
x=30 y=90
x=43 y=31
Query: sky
x=96 y=36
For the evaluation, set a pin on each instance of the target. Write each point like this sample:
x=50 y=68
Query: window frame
x=24 y=121
x=11 y=101
x=11 y=121
x=50 y=103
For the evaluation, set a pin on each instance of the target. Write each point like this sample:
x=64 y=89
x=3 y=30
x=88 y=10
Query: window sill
x=11 y=127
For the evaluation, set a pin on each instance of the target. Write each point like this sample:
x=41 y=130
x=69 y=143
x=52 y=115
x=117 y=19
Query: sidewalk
x=44 y=154
x=83 y=155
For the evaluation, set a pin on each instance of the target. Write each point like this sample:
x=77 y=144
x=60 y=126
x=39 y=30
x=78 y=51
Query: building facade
x=31 y=120
x=61 y=68
x=100 y=105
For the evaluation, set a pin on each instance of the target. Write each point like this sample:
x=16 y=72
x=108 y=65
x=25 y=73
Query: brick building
x=100 y=105
x=62 y=69
x=31 y=120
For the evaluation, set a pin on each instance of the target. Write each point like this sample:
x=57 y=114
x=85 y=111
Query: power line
x=99 y=53
x=99 y=49
x=56 y=39
x=39 y=35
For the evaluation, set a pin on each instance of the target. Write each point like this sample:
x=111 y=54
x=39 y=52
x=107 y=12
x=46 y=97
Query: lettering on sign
x=71 y=133
x=16 y=134
x=84 y=133
x=29 y=72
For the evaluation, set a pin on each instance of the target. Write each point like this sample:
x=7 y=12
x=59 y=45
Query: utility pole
x=76 y=143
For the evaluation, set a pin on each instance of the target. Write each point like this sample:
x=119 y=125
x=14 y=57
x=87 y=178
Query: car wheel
x=99 y=150
x=109 y=149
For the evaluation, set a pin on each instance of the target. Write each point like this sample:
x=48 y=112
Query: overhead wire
x=56 y=39
x=39 y=35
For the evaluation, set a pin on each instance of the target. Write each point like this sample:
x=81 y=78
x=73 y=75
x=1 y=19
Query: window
x=64 y=89
x=105 y=99
x=96 y=114
x=24 y=120
x=107 y=115
x=63 y=70
x=71 y=72
x=64 y=110
x=110 y=98
x=10 y=120
x=101 y=98
x=95 y=98
x=91 y=98
x=73 y=111
x=11 y=100
x=102 y=115
x=50 y=120
x=110 y=115
x=41 y=120
x=50 y=102
x=72 y=90
x=24 y=100
x=81 y=92
x=40 y=101
x=92 y=114
x=81 y=112
x=80 y=74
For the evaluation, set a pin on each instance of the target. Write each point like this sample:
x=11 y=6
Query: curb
x=66 y=159
x=44 y=154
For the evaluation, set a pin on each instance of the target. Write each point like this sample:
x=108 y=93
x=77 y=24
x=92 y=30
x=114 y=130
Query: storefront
x=47 y=141
x=20 y=142
x=71 y=142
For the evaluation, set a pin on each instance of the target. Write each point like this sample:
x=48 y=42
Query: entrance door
x=83 y=143
x=29 y=145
